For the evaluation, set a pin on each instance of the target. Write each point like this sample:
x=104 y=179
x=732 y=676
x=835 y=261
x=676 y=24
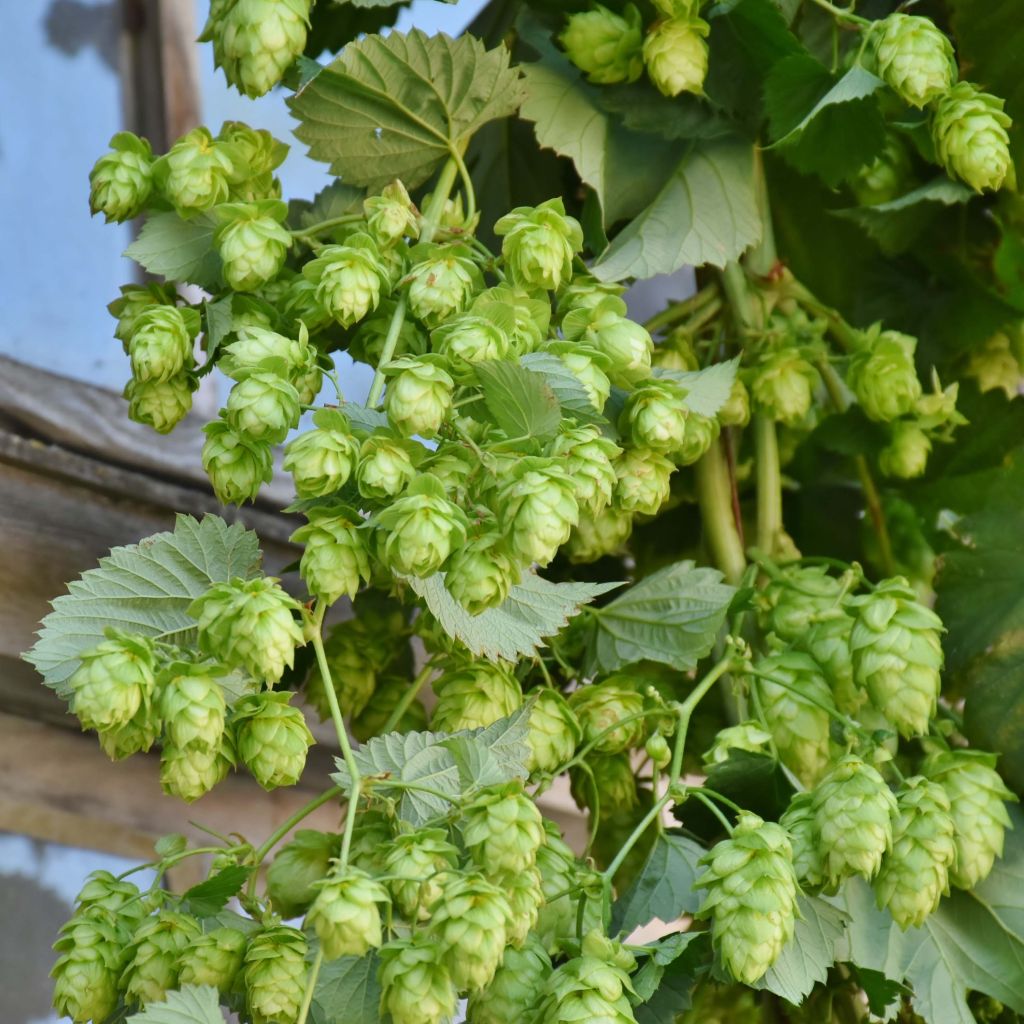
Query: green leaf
x=676 y=979
x=180 y=250
x=659 y=955
x=519 y=400
x=143 y=588
x=169 y=845
x=808 y=955
x=535 y=608
x=708 y=389
x=219 y=319
x=347 y=989
x=363 y=418
x=664 y=887
x=211 y=896
x=335 y=200
x=192 y=1004
x=672 y=616
x=571 y=394
x=394 y=107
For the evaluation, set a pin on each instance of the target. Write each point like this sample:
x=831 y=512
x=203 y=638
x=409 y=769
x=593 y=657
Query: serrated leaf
x=143 y=588
x=394 y=107
x=707 y=390
x=520 y=401
x=364 y=419
x=661 y=954
x=664 y=887
x=347 y=990
x=571 y=394
x=219 y=319
x=672 y=616
x=677 y=979
x=180 y=250
x=335 y=200
x=212 y=895
x=192 y=1004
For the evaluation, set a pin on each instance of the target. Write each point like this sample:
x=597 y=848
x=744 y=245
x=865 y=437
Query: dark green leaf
x=643 y=109
x=219 y=320
x=336 y=200
x=662 y=954
x=520 y=401
x=347 y=990
x=207 y=898
x=664 y=887
x=192 y=1004
x=180 y=250
x=672 y=995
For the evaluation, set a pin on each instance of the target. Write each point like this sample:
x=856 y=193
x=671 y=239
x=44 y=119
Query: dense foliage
x=691 y=564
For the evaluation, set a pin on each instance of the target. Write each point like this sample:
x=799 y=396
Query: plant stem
x=838 y=12
x=326 y=225
x=681 y=310
x=307 y=995
x=407 y=698
x=714 y=493
x=699 y=794
x=769 y=483
x=467 y=185
x=685 y=710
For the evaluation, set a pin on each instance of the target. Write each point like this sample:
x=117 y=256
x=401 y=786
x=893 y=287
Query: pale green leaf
x=571 y=394
x=672 y=616
x=219 y=319
x=535 y=609
x=664 y=887
x=336 y=200
x=143 y=588
x=192 y=1004
x=520 y=402
x=347 y=990
x=363 y=418
x=395 y=106
x=180 y=250
x=708 y=389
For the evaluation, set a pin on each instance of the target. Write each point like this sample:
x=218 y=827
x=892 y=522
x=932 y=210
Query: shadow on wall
x=73 y=26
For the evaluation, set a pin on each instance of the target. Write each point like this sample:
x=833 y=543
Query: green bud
x=259 y=153
x=525 y=896
x=588 y=988
x=905 y=457
x=481 y=573
x=474 y=696
x=886 y=177
x=557 y=866
x=736 y=411
x=274 y=975
x=160 y=346
x=416 y=987
x=135 y=736
x=584 y=291
x=969 y=129
x=272 y=738
x=264 y=407
x=374 y=718
x=213 y=959
x=104 y=891
x=385 y=466
x=882 y=376
x=643 y=481
x=371 y=840
x=134 y=300
x=588 y=461
x=418 y=397
x=192 y=705
x=249 y=624
x=236 y=463
x=994 y=365
x=87 y=971
x=334 y=561
x=605 y=46
x=321 y=461
x=114 y=680
x=189 y=773
x=783 y=386
x=540 y=509
x=700 y=434
x=151 y=959
x=722 y=1004
x=626 y=346
x=676 y=55
x=252 y=242
x=161 y=405
x=392 y=215
x=554 y=732
x=293 y=873
x=914 y=58
x=595 y=536
x=349 y=279
x=121 y=180
x=421 y=529
x=538 y=244
x=345 y=914
x=502 y=829
x=196 y=172
x=655 y=415
x=419 y=861
x=515 y=988
x=749 y=736
x=658 y=750
x=799 y=822
x=442 y=285
x=601 y=709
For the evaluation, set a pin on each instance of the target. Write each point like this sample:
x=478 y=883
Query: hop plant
x=914 y=58
x=554 y=732
x=467 y=338
x=385 y=467
x=375 y=718
x=751 y=897
x=969 y=129
x=514 y=990
x=701 y=432
x=915 y=874
x=882 y=376
x=977 y=805
x=538 y=244
x=417 y=862
x=782 y=386
x=481 y=573
x=603 y=709
x=589 y=464
x=214 y=958
x=416 y=987
x=121 y=180
x=655 y=415
x=274 y=975
x=113 y=681
x=625 y=347
x=643 y=481
x=675 y=53
x=592 y=987
x=595 y=536
x=192 y=705
x=252 y=242
x=86 y=973
x=151 y=959
x=539 y=505
x=897 y=654
x=749 y=736
x=473 y=697
x=799 y=822
x=558 y=875
x=853 y=817
x=272 y=737
x=249 y=624
x=196 y=173
x=161 y=405
x=885 y=177
x=263 y=407
x=605 y=46
x=391 y=215
x=334 y=560
x=420 y=529
x=160 y=345
x=525 y=896
x=298 y=866
x=905 y=457
x=322 y=460
x=419 y=396
x=102 y=891
x=191 y=772
x=441 y=285
x=346 y=914
x=137 y=734
x=237 y=464
x=586 y=364
x=349 y=279
x=612 y=778
x=502 y=829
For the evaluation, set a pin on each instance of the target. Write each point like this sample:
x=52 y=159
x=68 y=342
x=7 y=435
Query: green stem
x=681 y=310
x=307 y=995
x=699 y=794
x=685 y=710
x=407 y=698
x=842 y=15
x=169 y=862
x=467 y=185
x=327 y=225
x=581 y=754
x=769 y=483
x=644 y=824
x=849 y=337
x=714 y=493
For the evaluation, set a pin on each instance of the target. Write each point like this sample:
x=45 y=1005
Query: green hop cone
x=259 y=153
x=161 y=405
x=604 y=45
x=134 y=300
x=588 y=460
x=418 y=861
x=335 y=560
x=882 y=376
x=419 y=396
x=321 y=460
x=782 y=386
x=554 y=732
x=795 y=712
x=345 y=914
x=914 y=58
x=121 y=180
x=589 y=988
x=977 y=805
x=236 y=464
x=969 y=129
x=196 y=173
x=189 y=773
x=420 y=529
x=897 y=654
x=104 y=891
x=416 y=987
x=298 y=866
x=137 y=734
x=557 y=866
x=160 y=345
x=515 y=988
x=468 y=339
x=386 y=466
x=585 y=363
x=655 y=415
x=260 y=350
x=994 y=364
x=474 y=696
x=905 y=457
x=602 y=710
x=255 y=41
x=263 y=407
x=213 y=959
x=595 y=536
x=192 y=705
x=151 y=959
x=915 y=874
x=391 y=216
x=252 y=242
x=886 y=177
x=353 y=666
x=481 y=573
x=613 y=779
x=789 y=604
x=538 y=244
x=722 y=1004
x=350 y=279
x=274 y=975
x=371 y=839
x=87 y=971
x=442 y=285
x=643 y=481
x=701 y=432
x=375 y=718
x=624 y=346
x=502 y=829
x=658 y=750
x=539 y=506
x=853 y=815
x=584 y=291
x=525 y=897
x=113 y=681
x=749 y=736
x=273 y=738
x=470 y=921
x=799 y=822
x=249 y=624
x=676 y=55
x=751 y=897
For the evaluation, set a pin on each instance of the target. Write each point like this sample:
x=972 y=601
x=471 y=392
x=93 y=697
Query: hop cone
x=783 y=386
x=87 y=972
x=604 y=45
x=701 y=432
x=467 y=339
x=121 y=180
x=915 y=873
x=345 y=914
x=418 y=860
x=676 y=55
x=897 y=654
x=160 y=345
x=272 y=738
x=161 y=405
x=554 y=732
x=138 y=734
x=470 y=921
x=748 y=736
x=474 y=697
x=349 y=279
x=236 y=464
x=914 y=58
x=614 y=780
x=263 y=407
x=882 y=376
x=274 y=975
x=321 y=461
x=385 y=467
x=416 y=987
x=595 y=536
x=977 y=806
x=886 y=177
x=601 y=709
x=191 y=772
x=525 y=897
x=195 y=174
x=853 y=815
x=751 y=896
x=334 y=561
x=113 y=895
x=655 y=415
x=722 y=1004
x=391 y=215
x=419 y=396
x=623 y=346
x=557 y=866
x=213 y=959
x=643 y=481
x=515 y=988
x=588 y=988
x=588 y=462
x=298 y=866
x=374 y=718
x=905 y=457
x=371 y=840
x=151 y=968
x=539 y=505
x=441 y=286
x=969 y=129
x=789 y=605
x=481 y=573
x=502 y=829
x=192 y=706
x=114 y=680
x=538 y=244
x=249 y=624
x=799 y=822
x=421 y=529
